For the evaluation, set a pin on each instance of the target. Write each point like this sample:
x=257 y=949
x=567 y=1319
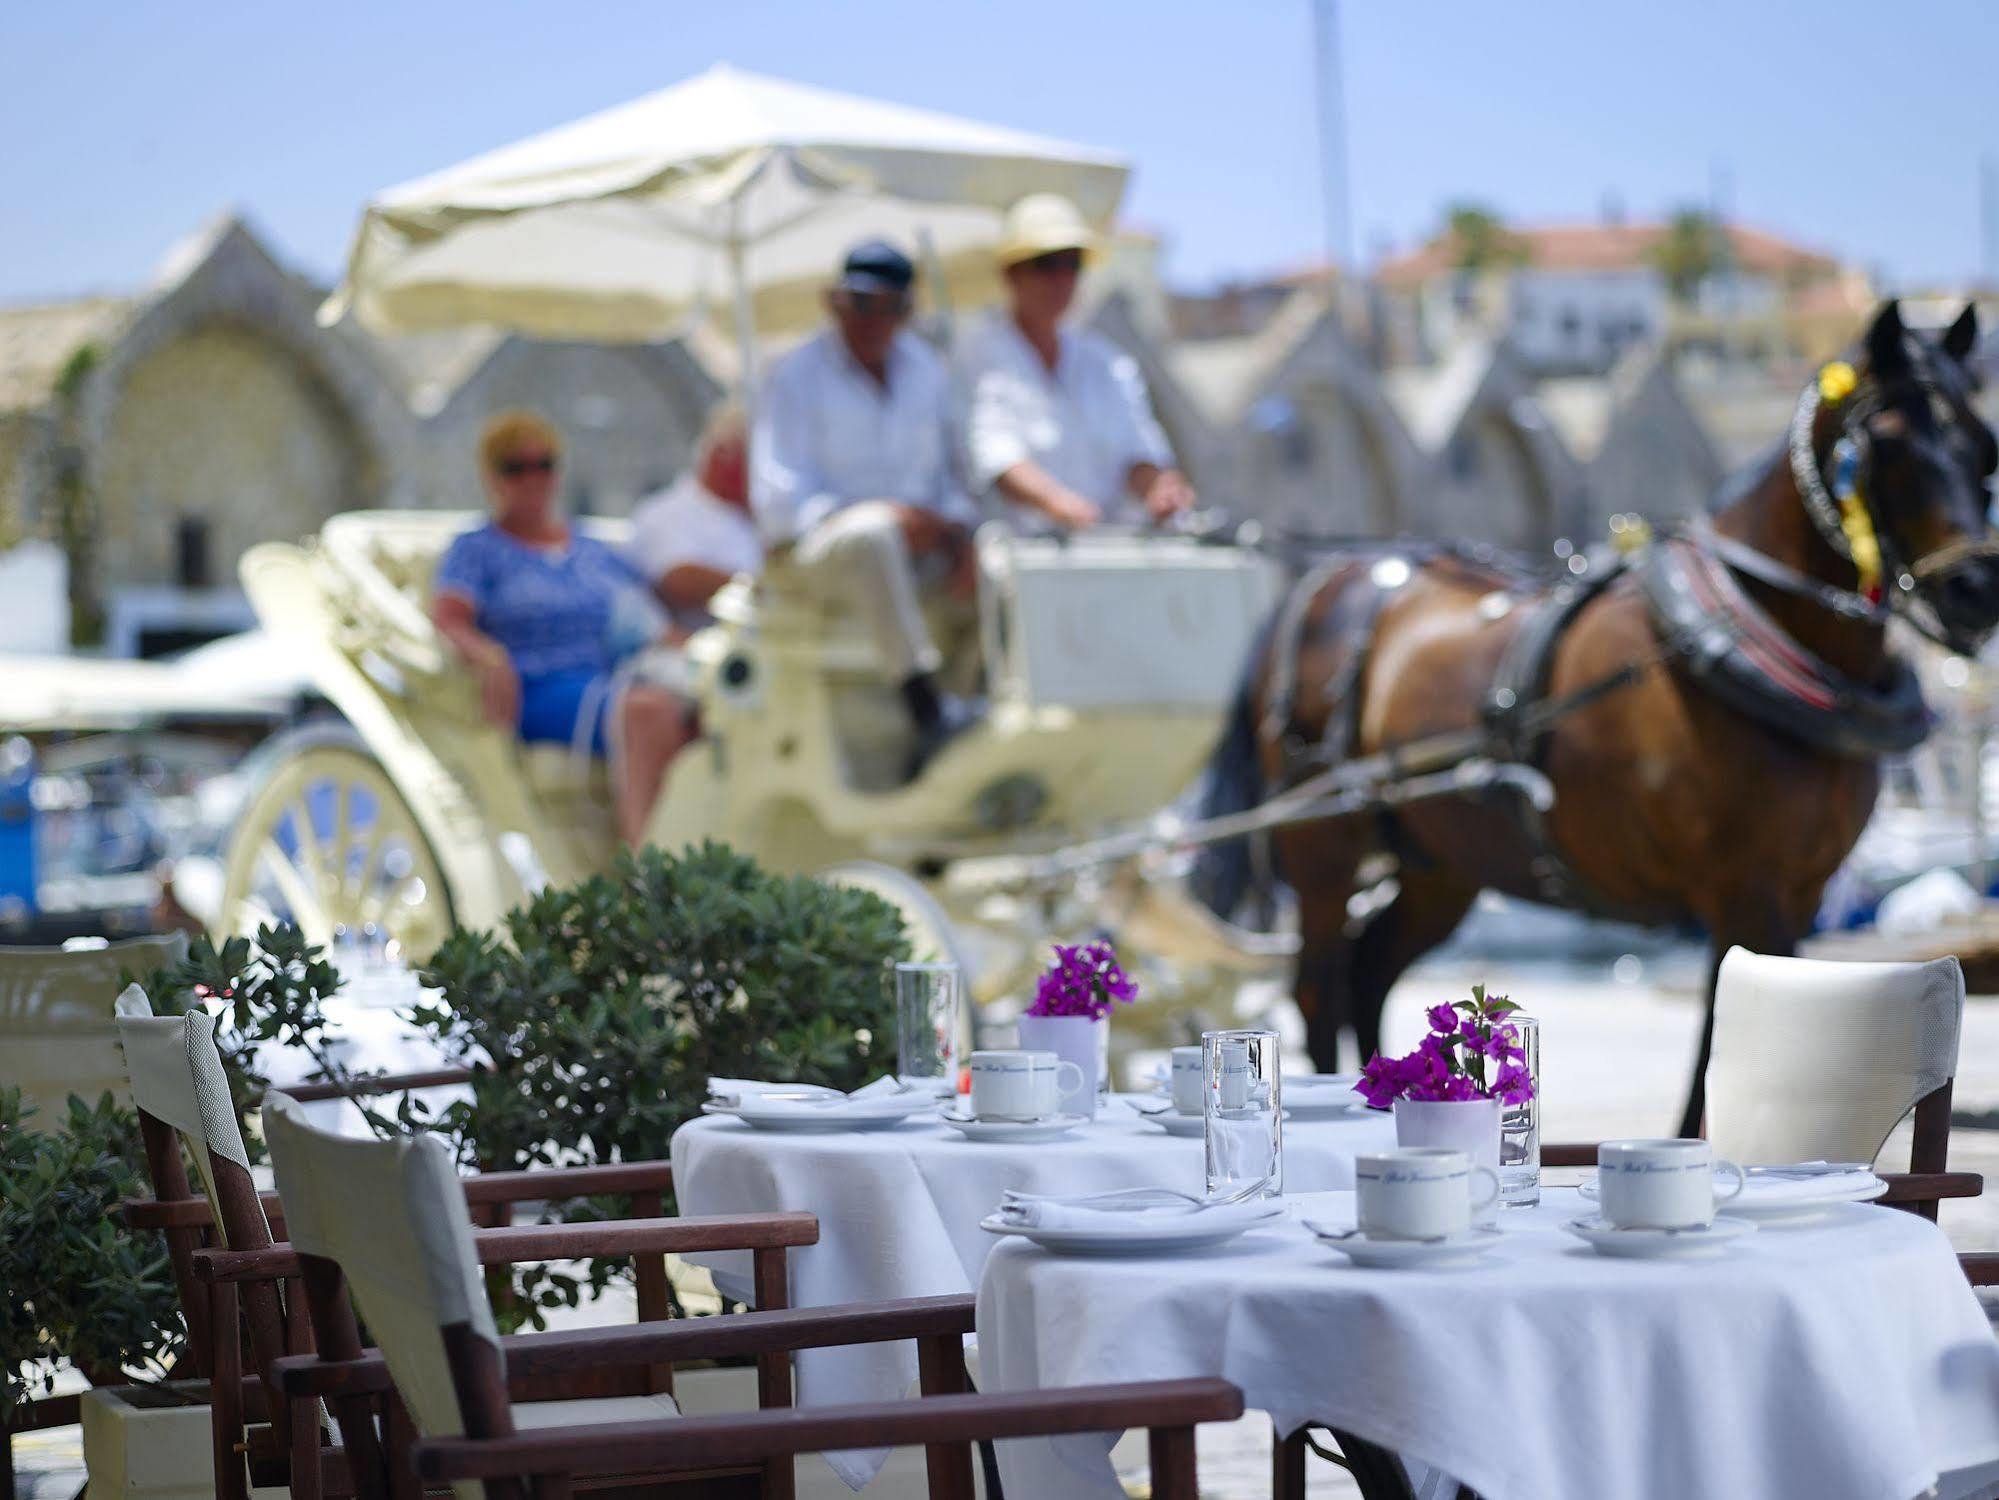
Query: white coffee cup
x=1022 y=1085
x=1666 y=1184
x=1419 y=1193
x=1188 y=1080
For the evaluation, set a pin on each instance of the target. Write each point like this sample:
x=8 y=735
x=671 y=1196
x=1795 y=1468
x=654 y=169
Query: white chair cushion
x=593 y=1411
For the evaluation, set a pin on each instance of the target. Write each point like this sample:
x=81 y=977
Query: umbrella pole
x=746 y=329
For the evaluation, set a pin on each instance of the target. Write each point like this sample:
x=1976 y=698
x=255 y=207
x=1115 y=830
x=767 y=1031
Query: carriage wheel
x=325 y=840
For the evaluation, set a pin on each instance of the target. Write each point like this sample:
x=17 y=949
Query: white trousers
x=857 y=558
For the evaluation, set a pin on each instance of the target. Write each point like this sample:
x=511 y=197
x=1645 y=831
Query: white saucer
x=1174 y=1123
x=1796 y=1208
x=793 y=1118
x=1658 y=1244
x=1387 y=1255
x=1052 y=1128
x=1322 y=1096
x=1164 y=1235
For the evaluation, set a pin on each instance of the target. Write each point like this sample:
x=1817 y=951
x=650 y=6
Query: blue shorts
x=553 y=702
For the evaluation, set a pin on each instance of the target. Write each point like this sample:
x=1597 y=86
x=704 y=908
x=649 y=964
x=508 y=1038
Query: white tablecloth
x=899 y=1211
x=1844 y=1362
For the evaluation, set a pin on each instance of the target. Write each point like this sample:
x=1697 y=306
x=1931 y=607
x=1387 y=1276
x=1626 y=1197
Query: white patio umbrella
x=729 y=186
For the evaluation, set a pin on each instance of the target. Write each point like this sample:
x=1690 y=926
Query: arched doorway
x=213 y=441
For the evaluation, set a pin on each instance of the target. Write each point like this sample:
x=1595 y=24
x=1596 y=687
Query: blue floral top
x=551 y=608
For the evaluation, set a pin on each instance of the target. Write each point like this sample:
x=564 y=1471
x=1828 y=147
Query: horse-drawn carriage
x=1106 y=662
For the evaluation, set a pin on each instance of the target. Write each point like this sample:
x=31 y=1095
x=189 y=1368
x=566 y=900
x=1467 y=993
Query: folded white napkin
x=884 y=1096
x=735 y=1090
x=1776 y=1186
x=1057 y=1213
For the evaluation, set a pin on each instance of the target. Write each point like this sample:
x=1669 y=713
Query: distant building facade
x=1574 y=299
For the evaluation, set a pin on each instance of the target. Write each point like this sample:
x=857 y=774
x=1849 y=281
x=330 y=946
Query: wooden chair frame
x=946 y=1420
x=231 y=1277
x=254 y=1432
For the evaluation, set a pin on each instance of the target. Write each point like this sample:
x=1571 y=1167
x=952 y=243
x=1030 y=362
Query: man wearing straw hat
x=853 y=477
x=1057 y=421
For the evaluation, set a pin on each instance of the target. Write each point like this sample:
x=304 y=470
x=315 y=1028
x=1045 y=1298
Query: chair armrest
x=579 y=1349
x=748 y=1437
x=520 y=1243
x=1929 y=1187
x=371 y=1085
x=1980 y=1270
x=609 y=1179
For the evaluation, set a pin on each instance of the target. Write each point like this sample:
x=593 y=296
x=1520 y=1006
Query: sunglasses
x=876 y=304
x=514 y=468
x=1070 y=261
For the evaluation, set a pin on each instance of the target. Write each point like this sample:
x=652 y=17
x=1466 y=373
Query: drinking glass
x=1520 y=1127
x=1242 y=1103
x=927 y=998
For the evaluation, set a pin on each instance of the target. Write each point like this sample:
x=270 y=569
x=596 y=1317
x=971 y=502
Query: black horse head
x=1922 y=460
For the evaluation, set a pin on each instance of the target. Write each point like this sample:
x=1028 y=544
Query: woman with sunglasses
x=1057 y=419
x=529 y=604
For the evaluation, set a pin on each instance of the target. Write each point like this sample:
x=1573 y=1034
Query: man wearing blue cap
x=851 y=470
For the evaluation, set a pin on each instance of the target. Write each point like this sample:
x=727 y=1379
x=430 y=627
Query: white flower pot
x=148 y=1444
x=1467 y=1125
x=1082 y=1040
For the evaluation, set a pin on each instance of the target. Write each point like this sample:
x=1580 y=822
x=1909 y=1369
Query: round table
x=899 y=1210
x=1847 y=1360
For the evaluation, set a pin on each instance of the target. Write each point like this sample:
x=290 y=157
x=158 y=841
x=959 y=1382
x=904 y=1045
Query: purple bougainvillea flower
x=1513 y=1083
x=1083 y=980
x=1443 y=1019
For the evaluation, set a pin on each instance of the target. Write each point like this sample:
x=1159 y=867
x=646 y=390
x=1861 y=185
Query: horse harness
x=1702 y=619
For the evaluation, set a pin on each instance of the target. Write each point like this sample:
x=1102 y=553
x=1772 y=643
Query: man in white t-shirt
x=1056 y=421
x=696 y=535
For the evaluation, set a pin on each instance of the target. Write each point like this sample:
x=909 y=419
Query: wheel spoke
x=295 y=891
x=370 y=862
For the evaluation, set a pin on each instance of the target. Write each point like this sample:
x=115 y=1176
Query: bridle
x=1843 y=515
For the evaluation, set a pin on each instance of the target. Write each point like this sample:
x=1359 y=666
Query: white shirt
x=686 y=523
x=827 y=434
x=1086 y=424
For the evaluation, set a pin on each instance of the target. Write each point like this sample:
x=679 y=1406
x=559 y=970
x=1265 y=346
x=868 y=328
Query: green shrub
x=272 y=992
x=598 y=1017
x=74 y=1281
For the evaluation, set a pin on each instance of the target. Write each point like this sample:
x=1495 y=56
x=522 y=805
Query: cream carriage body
x=1106 y=662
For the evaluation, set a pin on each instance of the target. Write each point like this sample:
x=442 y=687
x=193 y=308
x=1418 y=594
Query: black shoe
x=954 y=716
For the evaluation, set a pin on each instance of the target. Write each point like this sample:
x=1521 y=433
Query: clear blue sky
x=1853 y=126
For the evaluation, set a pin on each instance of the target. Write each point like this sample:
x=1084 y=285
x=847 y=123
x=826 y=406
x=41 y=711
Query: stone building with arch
x=1312 y=445
x=164 y=434
x=1495 y=468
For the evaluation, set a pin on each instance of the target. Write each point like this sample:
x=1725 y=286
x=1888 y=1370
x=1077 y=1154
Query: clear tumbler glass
x=1243 y=1101
x=927 y=1001
x=1520 y=1128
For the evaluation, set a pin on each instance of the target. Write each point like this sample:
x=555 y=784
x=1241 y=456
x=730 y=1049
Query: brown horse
x=1680 y=795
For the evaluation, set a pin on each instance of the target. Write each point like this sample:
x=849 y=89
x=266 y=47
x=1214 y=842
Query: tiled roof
x=37 y=342
x=1606 y=247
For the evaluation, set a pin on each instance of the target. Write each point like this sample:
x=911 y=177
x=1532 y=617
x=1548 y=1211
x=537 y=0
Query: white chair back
x=392 y=1215
x=175 y=1075
x=1815 y=1060
x=57 y=1035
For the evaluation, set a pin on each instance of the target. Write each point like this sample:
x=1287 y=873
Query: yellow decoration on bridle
x=1861 y=541
x=1837 y=381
